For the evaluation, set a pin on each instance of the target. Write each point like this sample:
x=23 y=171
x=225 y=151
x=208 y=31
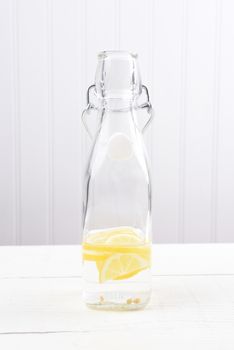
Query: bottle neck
x=118 y=117
x=118 y=104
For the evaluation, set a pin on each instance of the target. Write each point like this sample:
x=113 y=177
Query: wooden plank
x=199 y=306
x=182 y=336
x=7 y=118
x=199 y=116
x=38 y=261
x=167 y=71
x=65 y=261
x=224 y=230
x=32 y=42
x=66 y=66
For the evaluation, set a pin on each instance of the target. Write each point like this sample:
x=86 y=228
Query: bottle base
x=117 y=307
x=109 y=297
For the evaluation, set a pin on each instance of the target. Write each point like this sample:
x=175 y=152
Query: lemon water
x=116 y=268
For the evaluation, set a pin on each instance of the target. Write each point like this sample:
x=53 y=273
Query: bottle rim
x=109 y=53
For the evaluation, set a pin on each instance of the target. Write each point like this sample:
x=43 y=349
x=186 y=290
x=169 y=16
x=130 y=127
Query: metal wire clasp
x=90 y=106
x=147 y=105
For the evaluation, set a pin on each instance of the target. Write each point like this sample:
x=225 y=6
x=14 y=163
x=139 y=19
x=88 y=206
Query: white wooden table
x=192 y=306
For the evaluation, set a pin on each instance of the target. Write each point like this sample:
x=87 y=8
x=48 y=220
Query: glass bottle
x=117 y=189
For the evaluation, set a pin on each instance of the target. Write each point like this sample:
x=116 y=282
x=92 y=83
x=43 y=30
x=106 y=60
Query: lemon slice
x=122 y=266
x=124 y=239
x=118 y=252
x=100 y=237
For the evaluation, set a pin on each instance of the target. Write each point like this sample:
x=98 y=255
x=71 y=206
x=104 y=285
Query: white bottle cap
x=120 y=147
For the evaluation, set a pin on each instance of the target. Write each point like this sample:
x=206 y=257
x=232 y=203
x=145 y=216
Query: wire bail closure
x=90 y=106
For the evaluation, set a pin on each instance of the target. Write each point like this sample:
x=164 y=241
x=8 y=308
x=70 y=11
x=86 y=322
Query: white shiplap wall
x=47 y=60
